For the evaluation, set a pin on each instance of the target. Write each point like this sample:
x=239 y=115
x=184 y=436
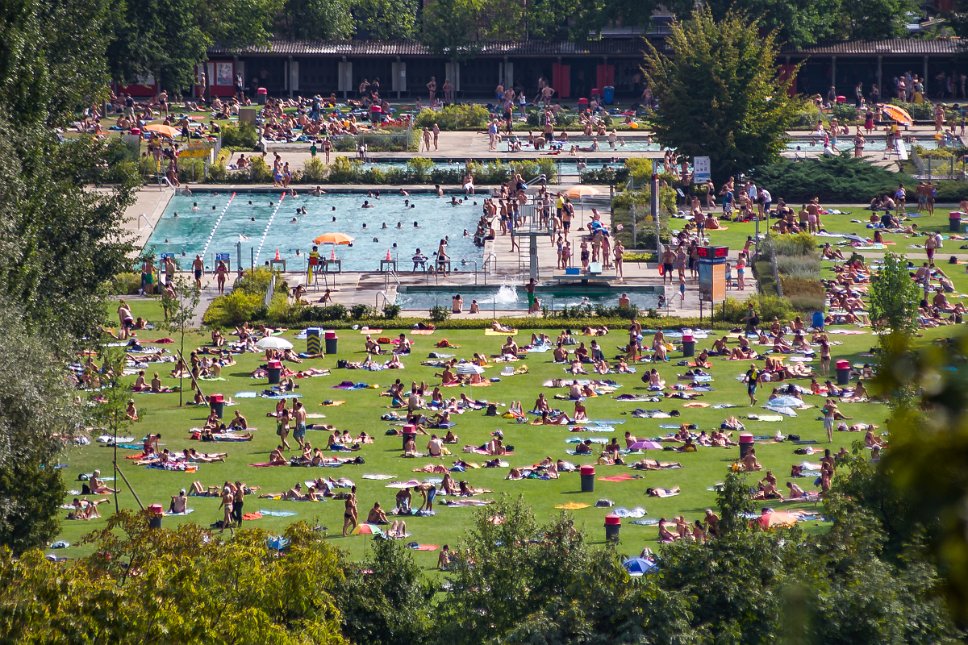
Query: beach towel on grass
x=422 y=332
x=624 y=477
x=187 y=512
x=571 y=506
x=491 y=332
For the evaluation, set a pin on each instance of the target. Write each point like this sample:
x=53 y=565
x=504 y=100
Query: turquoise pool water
x=876 y=142
x=510 y=298
x=565 y=167
x=262 y=224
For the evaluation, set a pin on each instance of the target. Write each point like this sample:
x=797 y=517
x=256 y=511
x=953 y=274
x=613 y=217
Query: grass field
x=362 y=411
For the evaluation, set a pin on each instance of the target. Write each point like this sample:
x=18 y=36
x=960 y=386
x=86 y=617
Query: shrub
x=257 y=280
x=640 y=170
x=283 y=311
x=126 y=283
x=420 y=167
x=804 y=294
x=838 y=178
x=243 y=136
x=314 y=171
x=617 y=176
x=454 y=117
x=391 y=311
x=323 y=314
x=793 y=244
x=766 y=306
x=191 y=170
x=259 y=171
x=806 y=116
x=344 y=170
x=845 y=113
x=233 y=309
x=439 y=313
x=801 y=267
x=359 y=311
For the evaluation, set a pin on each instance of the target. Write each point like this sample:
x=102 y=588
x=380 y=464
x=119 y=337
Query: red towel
x=624 y=477
x=252 y=516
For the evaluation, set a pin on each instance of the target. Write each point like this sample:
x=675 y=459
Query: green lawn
x=362 y=412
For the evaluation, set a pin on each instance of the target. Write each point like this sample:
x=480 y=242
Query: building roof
x=362 y=48
x=895 y=47
x=627 y=47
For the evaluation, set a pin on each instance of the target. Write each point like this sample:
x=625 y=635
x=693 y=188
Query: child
x=682 y=291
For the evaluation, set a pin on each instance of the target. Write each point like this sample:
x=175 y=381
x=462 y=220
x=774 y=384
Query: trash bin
x=587 y=479
x=608 y=94
x=817 y=322
x=155 y=513
x=260 y=95
x=332 y=341
x=275 y=372
x=688 y=345
x=613 y=524
x=313 y=345
x=745 y=444
x=596 y=93
x=409 y=431
x=954 y=221
x=217 y=404
x=843 y=372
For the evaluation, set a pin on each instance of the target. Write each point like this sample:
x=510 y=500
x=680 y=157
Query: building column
x=924 y=77
x=833 y=71
x=880 y=74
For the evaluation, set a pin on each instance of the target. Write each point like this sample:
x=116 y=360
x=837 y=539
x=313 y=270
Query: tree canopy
x=719 y=92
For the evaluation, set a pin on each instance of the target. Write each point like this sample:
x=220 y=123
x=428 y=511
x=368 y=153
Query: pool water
x=262 y=225
x=569 y=167
x=875 y=142
x=511 y=298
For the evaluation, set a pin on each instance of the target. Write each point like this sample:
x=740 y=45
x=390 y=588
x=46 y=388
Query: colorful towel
x=572 y=506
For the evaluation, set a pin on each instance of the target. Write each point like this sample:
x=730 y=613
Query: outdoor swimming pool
x=262 y=224
x=875 y=142
x=565 y=166
x=510 y=298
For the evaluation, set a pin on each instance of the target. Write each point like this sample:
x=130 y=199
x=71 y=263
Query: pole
x=654 y=204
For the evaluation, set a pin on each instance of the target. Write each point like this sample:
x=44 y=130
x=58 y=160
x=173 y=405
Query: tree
x=316 y=20
x=179 y=313
x=719 y=92
x=37 y=415
x=894 y=297
x=385 y=19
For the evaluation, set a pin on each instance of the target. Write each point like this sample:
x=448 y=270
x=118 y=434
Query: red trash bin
x=613 y=524
x=587 y=479
x=745 y=444
x=274 y=368
x=843 y=372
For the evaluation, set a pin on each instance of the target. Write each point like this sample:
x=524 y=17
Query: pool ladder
x=389 y=297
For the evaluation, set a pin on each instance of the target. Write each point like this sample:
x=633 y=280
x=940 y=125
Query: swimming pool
x=875 y=142
x=262 y=223
x=624 y=144
x=565 y=167
x=511 y=298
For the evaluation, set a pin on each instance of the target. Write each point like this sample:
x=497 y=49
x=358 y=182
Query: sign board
x=712 y=281
x=701 y=170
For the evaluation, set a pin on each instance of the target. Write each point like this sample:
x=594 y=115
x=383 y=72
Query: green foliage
x=125 y=283
x=391 y=312
x=439 y=313
x=835 y=179
x=420 y=167
x=845 y=113
x=233 y=309
x=805 y=115
x=454 y=117
x=315 y=20
x=919 y=111
x=260 y=172
x=767 y=306
x=242 y=137
x=719 y=92
x=894 y=297
x=314 y=171
x=640 y=170
x=360 y=310
x=328 y=313
x=385 y=19
x=36 y=409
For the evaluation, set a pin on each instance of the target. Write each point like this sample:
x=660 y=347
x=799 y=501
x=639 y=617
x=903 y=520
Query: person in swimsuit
x=349 y=512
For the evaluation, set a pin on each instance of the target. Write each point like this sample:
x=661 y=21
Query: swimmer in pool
x=175 y=216
x=384 y=225
x=213 y=208
x=376 y=239
x=293 y=220
x=194 y=206
x=364 y=224
x=399 y=225
x=415 y=225
x=334 y=219
x=404 y=193
x=367 y=204
x=250 y=202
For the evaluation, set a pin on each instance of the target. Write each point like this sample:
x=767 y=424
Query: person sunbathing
x=665 y=535
x=371 y=346
x=719 y=347
x=398 y=530
x=795 y=491
x=749 y=462
x=654 y=464
x=276 y=458
x=377 y=515
x=662 y=492
x=97 y=486
x=498 y=327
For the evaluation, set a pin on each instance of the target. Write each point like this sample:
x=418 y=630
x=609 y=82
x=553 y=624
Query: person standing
x=198 y=267
x=529 y=288
x=668 y=260
x=238 y=502
x=752 y=378
x=828 y=420
x=619 y=252
x=299 y=415
x=227 y=501
x=221 y=271
x=350 y=512
x=436 y=132
x=432 y=89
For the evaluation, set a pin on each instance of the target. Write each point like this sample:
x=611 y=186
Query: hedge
x=838 y=179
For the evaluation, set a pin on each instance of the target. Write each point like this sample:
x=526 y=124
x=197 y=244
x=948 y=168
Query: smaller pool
x=875 y=142
x=624 y=144
x=510 y=298
x=565 y=166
